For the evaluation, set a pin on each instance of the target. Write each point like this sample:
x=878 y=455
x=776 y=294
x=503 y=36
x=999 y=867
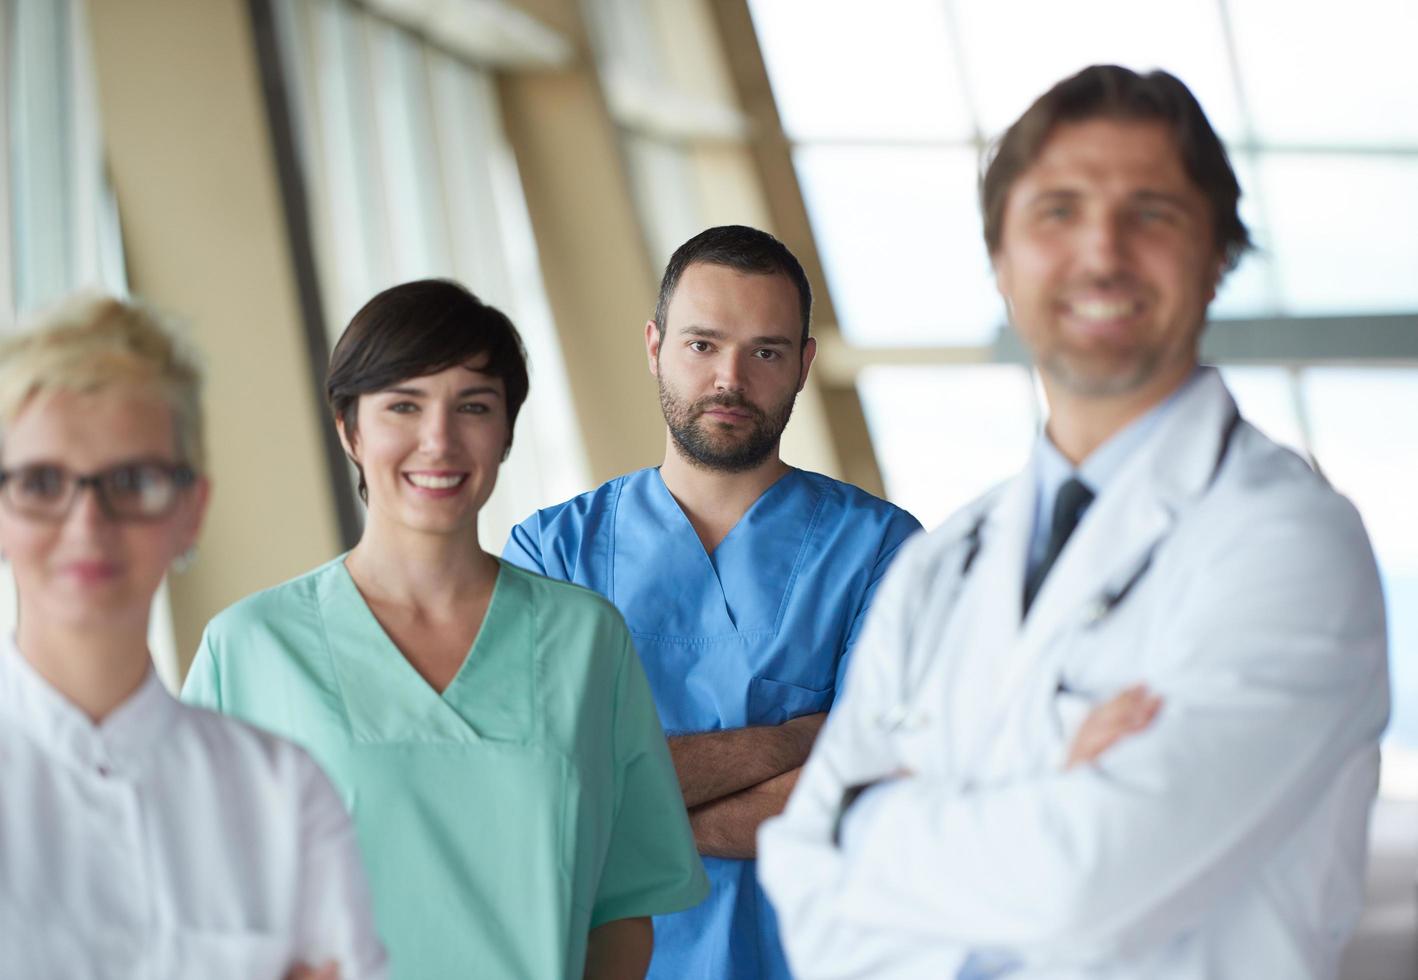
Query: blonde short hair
x=91 y=342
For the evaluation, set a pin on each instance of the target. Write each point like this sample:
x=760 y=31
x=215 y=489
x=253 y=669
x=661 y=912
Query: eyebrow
x=763 y=340
x=420 y=393
x=1162 y=197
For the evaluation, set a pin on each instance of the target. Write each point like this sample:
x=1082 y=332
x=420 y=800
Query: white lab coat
x=167 y=843
x=1228 y=840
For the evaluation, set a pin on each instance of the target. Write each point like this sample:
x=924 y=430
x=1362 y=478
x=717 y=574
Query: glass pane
x=1249 y=289
x=1342 y=232
x=1266 y=398
x=843 y=69
x=899 y=234
x=1015 y=50
x=665 y=196
x=1325 y=73
x=945 y=435
x=1365 y=426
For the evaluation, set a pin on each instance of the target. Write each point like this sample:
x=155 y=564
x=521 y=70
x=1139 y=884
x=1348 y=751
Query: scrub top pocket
x=773 y=702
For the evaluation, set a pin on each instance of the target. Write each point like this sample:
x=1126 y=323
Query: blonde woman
x=139 y=837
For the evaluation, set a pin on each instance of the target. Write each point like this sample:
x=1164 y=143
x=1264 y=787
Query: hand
x=1108 y=724
x=329 y=970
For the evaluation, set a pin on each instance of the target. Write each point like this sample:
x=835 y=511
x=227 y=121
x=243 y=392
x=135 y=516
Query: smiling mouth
x=1103 y=311
x=439 y=481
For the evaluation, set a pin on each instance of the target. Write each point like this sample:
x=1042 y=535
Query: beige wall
x=595 y=263
x=191 y=163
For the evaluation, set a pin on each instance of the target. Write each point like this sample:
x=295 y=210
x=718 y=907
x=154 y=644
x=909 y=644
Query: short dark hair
x=738 y=247
x=420 y=328
x=1108 y=91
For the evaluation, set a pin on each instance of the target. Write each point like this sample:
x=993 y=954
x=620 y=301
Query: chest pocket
x=772 y=702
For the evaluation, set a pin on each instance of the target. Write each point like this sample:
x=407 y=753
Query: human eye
x=401 y=407
x=40 y=482
x=138 y=489
x=130 y=478
x=474 y=408
x=699 y=346
x=767 y=354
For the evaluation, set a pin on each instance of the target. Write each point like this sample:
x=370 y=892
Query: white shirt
x=167 y=842
x=1052 y=468
x=1226 y=841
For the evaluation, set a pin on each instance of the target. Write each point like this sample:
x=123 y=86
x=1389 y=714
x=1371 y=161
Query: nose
x=433 y=433
x=728 y=373
x=86 y=514
x=1104 y=245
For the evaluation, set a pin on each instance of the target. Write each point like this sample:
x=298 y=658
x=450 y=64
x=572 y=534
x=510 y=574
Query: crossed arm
x=734 y=780
x=1274 y=682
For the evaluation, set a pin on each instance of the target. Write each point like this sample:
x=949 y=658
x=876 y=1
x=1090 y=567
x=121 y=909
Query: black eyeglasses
x=139 y=491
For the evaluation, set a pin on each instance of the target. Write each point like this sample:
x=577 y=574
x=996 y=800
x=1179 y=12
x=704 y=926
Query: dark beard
x=697 y=444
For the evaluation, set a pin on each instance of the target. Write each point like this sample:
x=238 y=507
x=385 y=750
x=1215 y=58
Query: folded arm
x=713 y=765
x=1275 y=681
x=728 y=827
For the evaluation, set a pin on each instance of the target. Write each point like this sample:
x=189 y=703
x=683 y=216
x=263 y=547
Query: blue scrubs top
x=754 y=634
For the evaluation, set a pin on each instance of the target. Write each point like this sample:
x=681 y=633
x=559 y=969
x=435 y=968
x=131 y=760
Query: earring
x=184 y=561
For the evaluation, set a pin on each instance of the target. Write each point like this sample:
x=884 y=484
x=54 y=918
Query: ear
x=1216 y=273
x=349 y=440
x=1002 y=280
x=652 y=347
x=809 y=353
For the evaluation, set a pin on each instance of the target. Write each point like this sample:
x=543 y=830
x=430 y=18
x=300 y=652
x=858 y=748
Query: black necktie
x=1072 y=500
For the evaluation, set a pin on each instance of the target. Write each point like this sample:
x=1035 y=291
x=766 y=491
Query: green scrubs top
x=500 y=821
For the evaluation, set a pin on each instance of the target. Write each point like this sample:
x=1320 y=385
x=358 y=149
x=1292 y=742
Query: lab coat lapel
x=1130 y=518
x=984 y=626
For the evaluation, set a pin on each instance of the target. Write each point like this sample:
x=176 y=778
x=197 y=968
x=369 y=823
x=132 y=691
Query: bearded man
x=744 y=581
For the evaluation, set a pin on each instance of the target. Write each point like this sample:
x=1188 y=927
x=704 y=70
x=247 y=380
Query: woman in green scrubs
x=491 y=730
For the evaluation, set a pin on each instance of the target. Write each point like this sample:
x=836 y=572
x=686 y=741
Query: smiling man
x=1156 y=545
x=744 y=581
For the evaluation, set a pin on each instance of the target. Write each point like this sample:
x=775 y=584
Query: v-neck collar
x=386 y=699
x=762 y=501
x=667 y=584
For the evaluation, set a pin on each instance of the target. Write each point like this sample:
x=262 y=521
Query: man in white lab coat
x=1156 y=545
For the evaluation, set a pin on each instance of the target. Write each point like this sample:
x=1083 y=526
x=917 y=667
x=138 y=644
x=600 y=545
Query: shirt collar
x=1052 y=468
x=119 y=744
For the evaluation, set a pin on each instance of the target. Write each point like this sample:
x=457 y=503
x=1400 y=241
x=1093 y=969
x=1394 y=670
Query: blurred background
x=259 y=168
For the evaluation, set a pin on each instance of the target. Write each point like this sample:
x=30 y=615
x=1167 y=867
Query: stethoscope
x=902 y=717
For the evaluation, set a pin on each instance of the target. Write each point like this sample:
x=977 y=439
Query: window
x=889 y=107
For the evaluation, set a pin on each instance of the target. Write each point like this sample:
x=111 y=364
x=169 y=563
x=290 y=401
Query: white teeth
x=434 y=482
x=1102 y=309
